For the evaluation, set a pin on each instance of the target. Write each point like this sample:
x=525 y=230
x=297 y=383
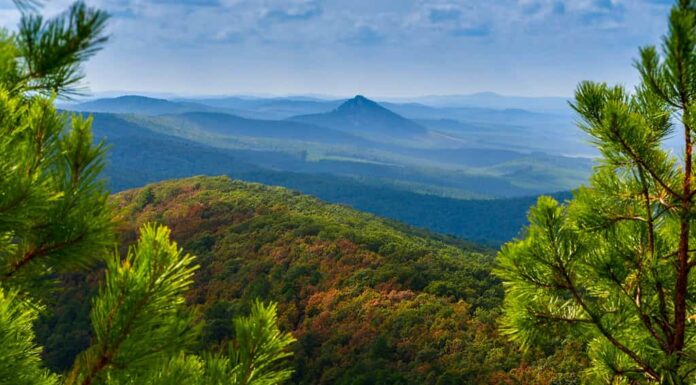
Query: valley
x=452 y=165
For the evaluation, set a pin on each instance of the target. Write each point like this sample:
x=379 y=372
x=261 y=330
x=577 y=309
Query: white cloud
x=294 y=42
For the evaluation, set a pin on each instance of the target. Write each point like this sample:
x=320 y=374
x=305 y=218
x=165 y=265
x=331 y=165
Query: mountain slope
x=335 y=153
x=370 y=301
x=231 y=125
x=365 y=117
x=269 y=108
x=138 y=156
x=131 y=104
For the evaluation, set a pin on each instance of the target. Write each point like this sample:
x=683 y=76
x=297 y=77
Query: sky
x=380 y=48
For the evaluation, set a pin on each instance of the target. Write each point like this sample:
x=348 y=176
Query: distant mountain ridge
x=363 y=116
x=133 y=104
x=342 y=147
x=228 y=124
x=360 y=138
x=138 y=155
x=502 y=125
x=268 y=108
x=545 y=104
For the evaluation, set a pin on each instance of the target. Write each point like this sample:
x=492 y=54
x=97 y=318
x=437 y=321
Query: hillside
x=430 y=164
x=362 y=116
x=269 y=108
x=230 y=125
x=370 y=301
x=133 y=104
x=138 y=155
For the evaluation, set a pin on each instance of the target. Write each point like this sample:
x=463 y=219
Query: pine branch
x=597 y=322
x=642 y=163
x=140 y=312
x=38 y=252
x=53 y=50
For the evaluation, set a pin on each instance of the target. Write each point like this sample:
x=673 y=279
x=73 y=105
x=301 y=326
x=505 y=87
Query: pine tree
x=612 y=267
x=143 y=328
x=53 y=205
x=256 y=357
x=55 y=217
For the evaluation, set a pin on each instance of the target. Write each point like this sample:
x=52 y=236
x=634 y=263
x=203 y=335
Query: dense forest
x=369 y=300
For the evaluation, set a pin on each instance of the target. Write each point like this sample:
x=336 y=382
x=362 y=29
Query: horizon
x=107 y=94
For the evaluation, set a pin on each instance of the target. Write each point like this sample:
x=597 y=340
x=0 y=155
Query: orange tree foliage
x=370 y=301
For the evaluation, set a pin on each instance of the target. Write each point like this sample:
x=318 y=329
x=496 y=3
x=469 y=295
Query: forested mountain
x=462 y=170
x=370 y=301
x=363 y=140
x=365 y=117
x=230 y=125
x=138 y=156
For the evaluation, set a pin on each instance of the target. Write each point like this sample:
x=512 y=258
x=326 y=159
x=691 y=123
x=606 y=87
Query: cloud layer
x=386 y=47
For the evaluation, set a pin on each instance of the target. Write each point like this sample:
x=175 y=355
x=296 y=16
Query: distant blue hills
x=466 y=171
x=363 y=116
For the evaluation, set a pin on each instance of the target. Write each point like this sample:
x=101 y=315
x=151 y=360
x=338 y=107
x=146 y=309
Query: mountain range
x=367 y=118
x=554 y=105
x=134 y=104
x=370 y=300
x=357 y=152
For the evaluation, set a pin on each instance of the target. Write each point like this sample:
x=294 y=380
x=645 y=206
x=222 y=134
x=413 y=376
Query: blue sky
x=372 y=47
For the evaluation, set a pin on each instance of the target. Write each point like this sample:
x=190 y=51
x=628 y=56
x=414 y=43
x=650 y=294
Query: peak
x=137 y=97
x=359 y=101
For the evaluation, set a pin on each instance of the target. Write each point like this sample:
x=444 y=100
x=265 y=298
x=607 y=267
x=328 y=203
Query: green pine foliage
x=21 y=355
x=55 y=218
x=143 y=328
x=52 y=51
x=53 y=205
x=256 y=357
x=612 y=268
x=139 y=317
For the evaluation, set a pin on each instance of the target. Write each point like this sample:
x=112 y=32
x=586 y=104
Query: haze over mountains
x=366 y=118
x=442 y=156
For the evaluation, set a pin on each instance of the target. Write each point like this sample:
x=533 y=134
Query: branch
x=38 y=253
x=596 y=320
x=664 y=323
x=648 y=211
x=561 y=318
x=638 y=306
x=642 y=163
x=108 y=352
x=616 y=219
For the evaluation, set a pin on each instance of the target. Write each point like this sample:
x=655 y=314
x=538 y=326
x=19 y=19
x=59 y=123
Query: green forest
x=214 y=280
x=370 y=301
